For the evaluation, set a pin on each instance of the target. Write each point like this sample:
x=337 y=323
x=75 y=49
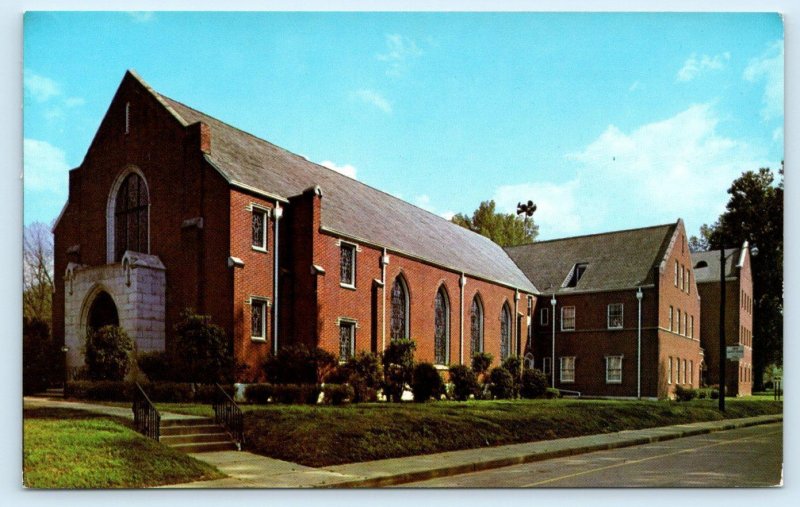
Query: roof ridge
x=670 y=224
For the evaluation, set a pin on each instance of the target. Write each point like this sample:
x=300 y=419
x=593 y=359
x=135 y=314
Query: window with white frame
x=615 y=316
x=567 y=369
x=688 y=285
x=670 y=318
x=347 y=265
x=676 y=273
x=258 y=319
x=347 y=340
x=613 y=369
x=680 y=277
x=546 y=365
x=677 y=370
x=684 y=372
x=691 y=326
x=544 y=316
x=669 y=372
x=691 y=372
x=568 y=318
x=678 y=330
x=259 y=228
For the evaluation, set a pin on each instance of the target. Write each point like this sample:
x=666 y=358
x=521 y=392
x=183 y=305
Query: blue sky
x=607 y=121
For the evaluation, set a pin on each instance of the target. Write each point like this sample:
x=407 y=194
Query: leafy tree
x=202 y=353
x=37 y=270
x=501 y=383
x=108 y=353
x=42 y=360
x=534 y=383
x=426 y=383
x=299 y=364
x=398 y=367
x=465 y=382
x=364 y=373
x=505 y=229
x=481 y=362
x=755 y=212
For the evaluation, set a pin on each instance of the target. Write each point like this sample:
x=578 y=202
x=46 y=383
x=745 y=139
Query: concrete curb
x=679 y=431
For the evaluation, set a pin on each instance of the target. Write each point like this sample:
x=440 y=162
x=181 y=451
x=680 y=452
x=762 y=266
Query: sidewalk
x=247 y=470
x=124 y=412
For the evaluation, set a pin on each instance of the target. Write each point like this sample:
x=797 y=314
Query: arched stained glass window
x=505 y=333
x=441 y=335
x=131 y=217
x=476 y=326
x=399 y=321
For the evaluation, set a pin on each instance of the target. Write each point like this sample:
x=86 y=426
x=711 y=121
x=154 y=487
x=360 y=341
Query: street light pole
x=65 y=349
x=722 y=358
x=553 y=345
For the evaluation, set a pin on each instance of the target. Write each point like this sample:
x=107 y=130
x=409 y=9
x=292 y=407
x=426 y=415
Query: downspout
x=275 y=291
x=461 y=282
x=517 y=336
x=553 y=345
x=639 y=296
x=384 y=262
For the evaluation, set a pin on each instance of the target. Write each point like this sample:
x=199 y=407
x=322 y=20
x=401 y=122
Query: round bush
x=481 y=362
x=155 y=365
x=465 y=382
x=108 y=351
x=337 y=394
x=534 y=383
x=426 y=382
x=501 y=383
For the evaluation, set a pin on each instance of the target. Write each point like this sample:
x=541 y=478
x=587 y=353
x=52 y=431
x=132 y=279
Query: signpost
x=735 y=352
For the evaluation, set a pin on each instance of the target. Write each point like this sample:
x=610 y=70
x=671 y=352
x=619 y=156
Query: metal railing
x=228 y=414
x=146 y=418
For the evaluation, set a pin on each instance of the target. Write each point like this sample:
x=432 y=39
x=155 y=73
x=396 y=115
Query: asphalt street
x=745 y=457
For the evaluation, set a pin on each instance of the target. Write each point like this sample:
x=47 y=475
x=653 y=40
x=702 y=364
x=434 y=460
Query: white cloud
x=447 y=215
x=347 y=169
x=424 y=201
x=45 y=169
x=769 y=67
x=635 y=86
x=399 y=51
x=696 y=65
x=679 y=167
x=41 y=88
x=141 y=16
x=375 y=99
x=777 y=135
x=74 y=101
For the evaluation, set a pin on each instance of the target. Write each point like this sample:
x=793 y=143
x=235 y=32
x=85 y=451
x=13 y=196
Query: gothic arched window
x=441 y=327
x=131 y=217
x=476 y=326
x=399 y=322
x=505 y=332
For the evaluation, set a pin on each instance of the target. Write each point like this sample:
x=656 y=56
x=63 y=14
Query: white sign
x=735 y=351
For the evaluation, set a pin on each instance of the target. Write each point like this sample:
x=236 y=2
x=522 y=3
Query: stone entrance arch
x=102 y=312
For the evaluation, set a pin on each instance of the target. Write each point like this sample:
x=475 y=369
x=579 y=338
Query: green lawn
x=65 y=448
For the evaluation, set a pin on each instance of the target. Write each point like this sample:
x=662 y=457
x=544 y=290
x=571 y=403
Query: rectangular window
x=613 y=369
x=676 y=273
x=530 y=306
x=670 y=318
x=680 y=278
x=347 y=340
x=567 y=369
x=677 y=370
x=669 y=372
x=691 y=372
x=684 y=371
x=615 y=316
x=568 y=318
x=546 y=365
x=347 y=264
x=258 y=319
x=691 y=327
x=688 y=285
x=544 y=316
x=678 y=330
x=259 y=226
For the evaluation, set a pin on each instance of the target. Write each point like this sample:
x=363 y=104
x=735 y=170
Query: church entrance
x=103 y=312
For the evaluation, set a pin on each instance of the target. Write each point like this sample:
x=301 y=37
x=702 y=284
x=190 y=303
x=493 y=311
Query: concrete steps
x=195 y=435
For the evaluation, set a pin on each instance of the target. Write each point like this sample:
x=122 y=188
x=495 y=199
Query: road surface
x=746 y=457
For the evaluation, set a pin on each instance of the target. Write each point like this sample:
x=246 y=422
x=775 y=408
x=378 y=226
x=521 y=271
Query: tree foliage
x=108 y=353
x=202 y=352
x=37 y=270
x=505 y=229
x=42 y=360
x=755 y=212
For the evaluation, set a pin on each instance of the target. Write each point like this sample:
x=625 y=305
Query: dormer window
x=575 y=274
x=701 y=264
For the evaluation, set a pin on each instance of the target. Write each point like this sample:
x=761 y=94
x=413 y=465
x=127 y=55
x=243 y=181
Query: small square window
x=615 y=316
x=259 y=227
x=347 y=264
x=567 y=369
x=613 y=369
x=568 y=318
x=347 y=340
x=544 y=316
x=258 y=319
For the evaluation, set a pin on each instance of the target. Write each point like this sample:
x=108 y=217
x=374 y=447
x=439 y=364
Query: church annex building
x=173 y=209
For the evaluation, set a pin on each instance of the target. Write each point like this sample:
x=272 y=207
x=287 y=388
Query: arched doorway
x=102 y=312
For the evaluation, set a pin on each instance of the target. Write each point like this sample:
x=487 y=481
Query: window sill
x=259 y=249
x=567 y=381
x=258 y=339
x=616 y=328
x=567 y=330
x=347 y=286
x=614 y=382
x=441 y=367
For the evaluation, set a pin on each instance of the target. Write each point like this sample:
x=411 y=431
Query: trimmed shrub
x=364 y=373
x=298 y=364
x=108 y=353
x=337 y=394
x=685 y=393
x=534 y=383
x=481 y=362
x=501 y=383
x=398 y=365
x=551 y=393
x=100 y=390
x=715 y=394
x=465 y=382
x=426 y=382
x=259 y=393
x=296 y=393
x=202 y=351
x=42 y=360
x=156 y=366
x=169 y=392
x=514 y=366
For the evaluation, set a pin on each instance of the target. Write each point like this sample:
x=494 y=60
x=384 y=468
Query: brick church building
x=173 y=209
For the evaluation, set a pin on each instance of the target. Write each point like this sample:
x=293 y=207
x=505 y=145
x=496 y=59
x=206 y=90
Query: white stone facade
x=137 y=286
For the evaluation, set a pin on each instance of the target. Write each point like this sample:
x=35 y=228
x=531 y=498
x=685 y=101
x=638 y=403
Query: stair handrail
x=228 y=414
x=146 y=417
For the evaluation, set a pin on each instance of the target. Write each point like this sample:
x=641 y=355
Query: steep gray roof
x=615 y=260
x=710 y=273
x=350 y=207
